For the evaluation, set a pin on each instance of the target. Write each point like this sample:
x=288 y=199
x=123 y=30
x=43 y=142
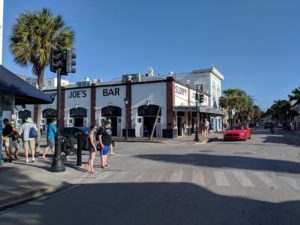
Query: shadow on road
x=280 y=136
x=220 y=161
x=152 y=203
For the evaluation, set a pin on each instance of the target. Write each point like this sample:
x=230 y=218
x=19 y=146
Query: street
x=255 y=182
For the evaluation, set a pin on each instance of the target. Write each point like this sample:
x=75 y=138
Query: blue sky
x=254 y=43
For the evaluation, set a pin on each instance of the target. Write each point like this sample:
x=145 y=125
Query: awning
x=11 y=84
x=202 y=109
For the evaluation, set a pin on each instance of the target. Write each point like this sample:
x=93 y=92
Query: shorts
x=29 y=144
x=50 y=142
x=6 y=143
x=105 y=150
x=15 y=144
x=91 y=149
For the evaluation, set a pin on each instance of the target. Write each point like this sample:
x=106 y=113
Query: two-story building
x=142 y=104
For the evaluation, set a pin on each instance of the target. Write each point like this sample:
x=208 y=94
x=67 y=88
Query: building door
x=114 y=125
x=78 y=122
x=148 y=126
x=113 y=113
x=78 y=114
x=179 y=125
x=149 y=113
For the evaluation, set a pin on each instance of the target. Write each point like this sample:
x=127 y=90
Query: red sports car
x=237 y=133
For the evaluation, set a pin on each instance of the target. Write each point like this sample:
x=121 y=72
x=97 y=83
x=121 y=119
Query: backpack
x=33 y=133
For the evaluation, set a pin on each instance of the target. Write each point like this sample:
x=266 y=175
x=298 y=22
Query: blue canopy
x=25 y=93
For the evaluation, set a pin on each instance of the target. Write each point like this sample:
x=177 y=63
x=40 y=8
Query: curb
x=31 y=195
x=42 y=193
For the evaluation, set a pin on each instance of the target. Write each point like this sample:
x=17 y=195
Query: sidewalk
x=22 y=182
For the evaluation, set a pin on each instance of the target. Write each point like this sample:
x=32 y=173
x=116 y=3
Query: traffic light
x=55 y=59
x=70 y=61
x=201 y=98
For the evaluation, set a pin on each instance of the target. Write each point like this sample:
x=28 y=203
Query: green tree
x=295 y=96
x=33 y=35
x=237 y=100
x=280 y=110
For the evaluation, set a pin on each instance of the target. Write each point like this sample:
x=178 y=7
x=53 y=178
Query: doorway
x=78 y=122
x=114 y=125
x=179 y=125
x=148 y=126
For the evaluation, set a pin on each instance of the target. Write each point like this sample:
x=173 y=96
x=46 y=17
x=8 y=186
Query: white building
x=158 y=104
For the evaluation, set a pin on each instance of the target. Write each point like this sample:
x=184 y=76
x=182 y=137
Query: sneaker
x=32 y=160
x=27 y=160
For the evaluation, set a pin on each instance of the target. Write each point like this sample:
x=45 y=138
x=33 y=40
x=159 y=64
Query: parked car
x=70 y=135
x=237 y=133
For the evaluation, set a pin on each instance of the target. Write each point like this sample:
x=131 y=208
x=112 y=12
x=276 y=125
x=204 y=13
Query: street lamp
x=199 y=89
x=126 y=121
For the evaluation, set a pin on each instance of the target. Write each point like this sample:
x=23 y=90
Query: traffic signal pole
x=62 y=62
x=199 y=100
x=57 y=164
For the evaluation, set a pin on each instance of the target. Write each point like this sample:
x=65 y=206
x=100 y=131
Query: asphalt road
x=256 y=182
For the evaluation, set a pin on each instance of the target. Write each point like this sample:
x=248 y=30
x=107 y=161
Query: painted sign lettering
x=180 y=90
x=111 y=91
x=78 y=94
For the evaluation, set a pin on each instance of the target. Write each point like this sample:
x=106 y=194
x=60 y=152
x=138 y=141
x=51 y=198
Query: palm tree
x=238 y=100
x=295 y=95
x=33 y=36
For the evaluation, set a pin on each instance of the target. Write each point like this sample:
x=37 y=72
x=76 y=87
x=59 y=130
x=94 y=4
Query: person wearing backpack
x=29 y=134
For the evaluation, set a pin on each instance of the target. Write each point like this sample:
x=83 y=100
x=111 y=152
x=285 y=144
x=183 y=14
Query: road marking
x=198 y=177
x=176 y=176
x=221 y=179
x=243 y=179
x=118 y=177
x=139 y=177
x=291 y=182
x=162 y=176
x=265 y=179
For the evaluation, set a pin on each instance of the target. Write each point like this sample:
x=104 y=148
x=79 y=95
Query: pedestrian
x=183 y=128
x=211 y=127
x=206 y=127
x=105 y=141
x=111 y=149
x=92 y=146
x=28 y=130
x=14 y=139
x=50 y=138
x=7 y=133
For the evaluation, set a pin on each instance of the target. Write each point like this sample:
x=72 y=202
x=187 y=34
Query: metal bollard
x=79 y=152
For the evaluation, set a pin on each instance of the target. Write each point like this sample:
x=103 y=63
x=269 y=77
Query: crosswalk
x=219 y=178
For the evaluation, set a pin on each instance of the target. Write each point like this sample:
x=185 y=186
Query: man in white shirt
x=28 y=142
